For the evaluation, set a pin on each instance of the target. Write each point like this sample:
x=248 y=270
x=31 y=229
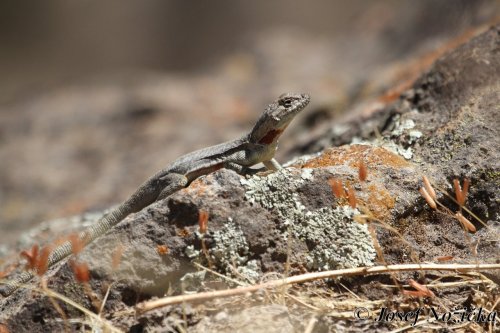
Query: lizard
x=257 y=146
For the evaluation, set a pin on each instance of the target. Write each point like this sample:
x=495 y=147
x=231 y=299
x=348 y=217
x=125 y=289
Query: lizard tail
x=65 y=249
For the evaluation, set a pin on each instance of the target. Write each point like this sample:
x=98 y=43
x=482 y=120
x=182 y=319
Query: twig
x=147 y=306
x=310 y=324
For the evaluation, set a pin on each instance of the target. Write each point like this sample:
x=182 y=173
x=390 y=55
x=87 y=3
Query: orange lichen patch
x=378 y=201
x=351 y=155
x=162 y=250
x=198 y=187
x=183 y=233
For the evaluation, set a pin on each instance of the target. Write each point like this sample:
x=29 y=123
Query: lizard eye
x=286 y=101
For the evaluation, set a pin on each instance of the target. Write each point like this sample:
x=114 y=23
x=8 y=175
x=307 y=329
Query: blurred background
x=95 y=96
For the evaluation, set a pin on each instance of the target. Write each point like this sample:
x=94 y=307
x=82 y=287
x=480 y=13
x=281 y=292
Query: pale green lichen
x=403 y=129
x=230 y=247
x=192 y=282
x=400 y=126
x=336 y=241
x=407 y=153
x=250 y=271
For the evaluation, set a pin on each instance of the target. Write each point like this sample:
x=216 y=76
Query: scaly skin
x=257 y=146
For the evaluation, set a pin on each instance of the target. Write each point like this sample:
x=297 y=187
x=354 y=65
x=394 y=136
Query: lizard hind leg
x=175 y=181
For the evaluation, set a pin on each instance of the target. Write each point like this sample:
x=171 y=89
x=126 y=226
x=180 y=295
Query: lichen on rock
x=334 y=240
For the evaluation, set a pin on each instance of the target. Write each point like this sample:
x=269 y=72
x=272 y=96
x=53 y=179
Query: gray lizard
x=255 y=147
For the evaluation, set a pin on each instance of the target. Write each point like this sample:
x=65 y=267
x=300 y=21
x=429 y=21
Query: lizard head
x=277 y=116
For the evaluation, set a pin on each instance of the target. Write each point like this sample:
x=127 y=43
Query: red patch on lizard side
x=270 y=136
x=212 y=168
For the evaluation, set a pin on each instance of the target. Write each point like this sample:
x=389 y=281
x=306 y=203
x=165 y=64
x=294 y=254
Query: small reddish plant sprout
x=444 y=258
x=37 y=260
x=421 y=290
x=461 y=193
x=117 y=257
x=31 y=256
x=337 y=188
x=362 y=171
x=77 y=244
x=203 y=221
x=42 y=263
x=465 y=222
x=427 y=197
x=351 y=196
x=81 y=271
x=428 y=187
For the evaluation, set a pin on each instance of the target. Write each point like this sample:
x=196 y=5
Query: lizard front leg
x=272 y=164
x=176 y=181
x=242 y=170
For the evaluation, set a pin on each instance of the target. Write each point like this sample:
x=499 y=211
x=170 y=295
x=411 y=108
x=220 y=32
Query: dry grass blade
x=310 y=325
x=56 y=305
x=465 y=223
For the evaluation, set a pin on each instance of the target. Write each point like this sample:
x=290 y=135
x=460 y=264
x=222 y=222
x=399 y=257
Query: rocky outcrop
x=289 y=222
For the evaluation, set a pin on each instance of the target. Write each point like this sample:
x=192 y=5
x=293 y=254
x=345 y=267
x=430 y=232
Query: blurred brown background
x=95 y=96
